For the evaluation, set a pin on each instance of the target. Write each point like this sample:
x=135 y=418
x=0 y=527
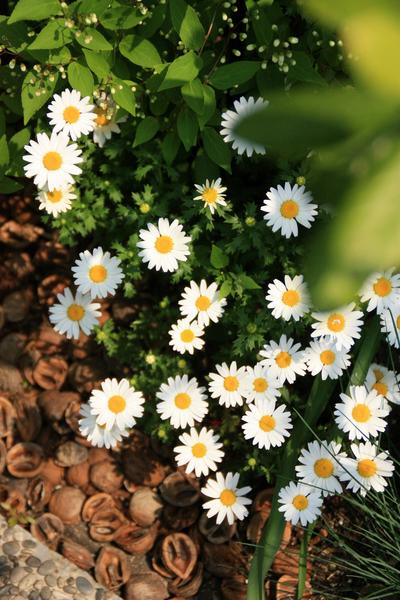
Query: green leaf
x=16 y=145
x=26 y=10
x=57 y=56
x=97 y=63
x=187 y=127
x=31 y=102
x=80 y=78
x=4 y=154
x=304 y=70
x=193 y=95
x=209 y=105
x=187 y=24
x=216 y=148
x=124 y=96
x=248 y=282
x=9 y=186
x=235 y=73
x=2 y=122
x=184 y=68
x=218 y=258
x=119 y=16
x=15 y=36
x=146 y=130
x=169 y=147
x=139 y=51
x=53 y=35
x=225 y=289
x=97 y=41
x=91 y=6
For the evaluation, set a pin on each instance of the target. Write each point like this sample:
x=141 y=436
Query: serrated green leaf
x=218 y=258
x=183 y=69
x=236 y=73
x=80 y=78
x=192 y=93
x=216 y=148
x=97 y=40
x=97 y=63
x=124 y=96
x=187 y=127
x=31 y=102
x=26 y=10
x=139 y=51
x=120 y=16
x=169 y=147
x=187 y=24
x=146 y=130
x=53 y=35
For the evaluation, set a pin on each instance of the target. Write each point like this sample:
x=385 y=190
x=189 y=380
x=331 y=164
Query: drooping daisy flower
x=202 y=302
x=211 y=194
x=262 y=385
x=342 y=326
x=287 y=208
x=368 y=470
x=200 y=451
x=228 y=501
x=381 y=290
x=231 y=119
x=186 y=336
x=284 y=359
x=385 y=382
x=320 y=467
x=117 y=403
x=362 y=414
x=57 y=201
x=71 y=114
x=97 y=434
x=97 y=273
x=52 y=161
x=105 y=123
x=322 y=357
x=289 y=300
x=163 y=246
x=230 y=384
x=74 y=313
x=182 y=401
x=267 y=424
x=390 y=324
x=299 y=502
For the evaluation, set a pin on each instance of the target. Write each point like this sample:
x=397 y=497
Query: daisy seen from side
x=319 y=467
x=284 y=359
x=385 y=382
x=361 y=414
x=105 y=123
x=116 y=404
x=342 y=326
x=182 y=401
x=202 y=302
x=97 y=273
x=324 y=359
x=230 y=119
x=381 y=291
x=369 y=469
x=71 y=114
x=164 y=245
x=212 y=193
x=390 y=324
x=74 y=313
x=227 y=499
x=186 y=336
x=230 y=384
x=97 y=434
x=200 y=451
x=299 y=502
x=288 y=207
x=266 y=424
x=288 y=299
x=261 y=385
x=57 y=201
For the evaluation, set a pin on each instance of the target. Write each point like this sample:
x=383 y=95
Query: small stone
x=100 y=594
x=68 y=589
x=17 y=574
x=38 y=584
x=34 y=595
x=70 y=580
x=28 y=581
x=45 y=593
x=33 y=561
x=11 y=548
x=29 y=544
x=47 y=567
x=5 y=592
x=50 y=580
x=83 y=585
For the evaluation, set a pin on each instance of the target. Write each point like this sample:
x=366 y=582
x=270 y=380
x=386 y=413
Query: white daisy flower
x=97 y=273
x=200 y=451
x=231 y=119
x=211 y=193
x=385 y=382
x=368 y=470
x=97 y=434
x=342 y=326
x=105 y=124
x=52 y=161
x=74 y=313
x=362 y=414
x=320 y=467
x=230 y=384
x=202 y=302
x=323 y=358
x=299 y=502
x=57 y=201
x=266 y=424
x=186 y=336
x=287 y=208
x=182 y=401
x=262 y=385
x=289 y=300
x=163 y=246
x=381 y=290
x=71 y=114
x=390 y=324
x=284 y=359
x=117 y=403
x=228 y=501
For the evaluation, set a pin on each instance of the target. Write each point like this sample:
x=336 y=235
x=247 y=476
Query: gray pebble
x=28 y=581
x=5 y=591
x=100 y=594
x=33 y=561
x=17 y=574
x=47 y=567
x=29 y=544
x=38 y=584
x=68 y=589
x=50 y=580
x=83 y=585
x=11 y=548
x=45 y=593
x=71 y=581
x=5 y=569
x=34 y=595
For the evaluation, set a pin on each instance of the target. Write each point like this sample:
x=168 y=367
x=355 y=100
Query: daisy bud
x=144 y=208
x=250 y=221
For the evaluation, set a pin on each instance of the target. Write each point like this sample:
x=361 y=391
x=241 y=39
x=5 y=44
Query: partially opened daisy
x=186 y=336
x=367 y=470
x=230 y=384
x=211 y=193
x=288 y=300
x=182 y=401
x=200 y=451
x=105 y=123
x=267 y=424
x=284 y=359
x=384 y=382
x=74 y=313
x=319 y=467
x=56 y=202
x=164 y=245
x=228 y=500
x=52 y=161
x=202 y=302
x=381 y=290
x=323 y=358
x=300 y=502
x=390 y=324
x=262 y=385
x=71 y=114
x=342 y=326
x=361 y=414
x=288 y=207
x=117 y=403
x=97 y=273
x=232 y=118
x=97 y=434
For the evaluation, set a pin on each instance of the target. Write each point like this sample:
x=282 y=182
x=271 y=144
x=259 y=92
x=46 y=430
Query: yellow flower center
x=300 y=502
x=382 y=287
x=164 y=244
x=366 y=467
x=361 y=413
x=210 y=195
x=267 y=423
x=283 y=360
x=54 y=196
x=116 y=404
x=101 y=118
x=199 y=450
x=187 y=336
x=291 y=298
x=289 y=209
x=52 y=161
x=183 y=400
x=71 y=114
x=98 y=273
x=75 y=312
x=227 y=497
x=203 y=302
x=260 y=384
x=323 y=467
x=231 y=383
x=381 y=388
x=327 y=357
x=336 y=322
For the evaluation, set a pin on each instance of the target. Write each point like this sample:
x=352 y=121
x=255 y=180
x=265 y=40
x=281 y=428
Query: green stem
x=301 y=584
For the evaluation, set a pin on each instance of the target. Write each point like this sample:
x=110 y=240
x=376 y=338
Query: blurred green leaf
x=216 y=148
x=182 y=70
x=4 y=154
x=120 y=16
x=16 y=145
x=53 y=35
x=9 y=186
x=187 y=127
x=236 y=73
x=338 y=12
x=248 y=282
x=187 y=24
x=146 y=130
x=209 y=105
x=139 y=51
x=80 y=78
x=170 y=147
x=218 y=258
x=304 y=70
x=26 y=10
